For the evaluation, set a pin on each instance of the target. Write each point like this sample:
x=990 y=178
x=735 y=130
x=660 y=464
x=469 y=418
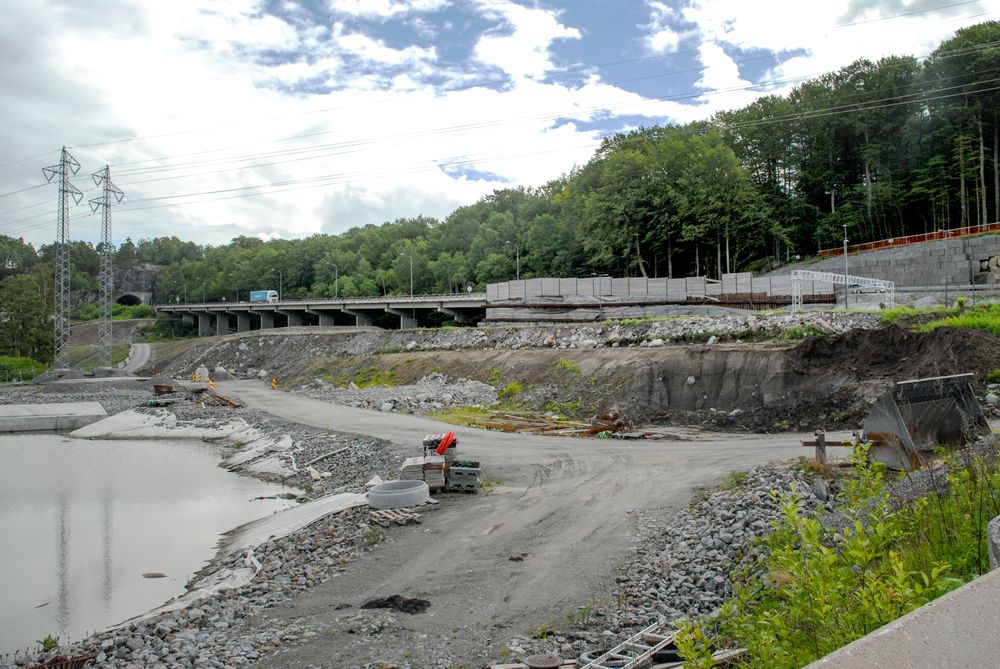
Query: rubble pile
x=431 y=394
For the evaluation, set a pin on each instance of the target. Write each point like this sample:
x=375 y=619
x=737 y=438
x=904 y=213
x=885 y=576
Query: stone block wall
x=968 y=260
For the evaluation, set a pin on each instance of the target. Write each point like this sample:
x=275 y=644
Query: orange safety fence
x=910 y=239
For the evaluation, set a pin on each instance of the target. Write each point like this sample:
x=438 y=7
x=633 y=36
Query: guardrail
x=377 y=299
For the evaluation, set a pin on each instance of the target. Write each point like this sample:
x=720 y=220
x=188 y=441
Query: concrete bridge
x=219 y=318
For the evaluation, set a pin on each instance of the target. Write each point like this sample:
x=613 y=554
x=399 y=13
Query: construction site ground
x=562 y=508
x=557 y=515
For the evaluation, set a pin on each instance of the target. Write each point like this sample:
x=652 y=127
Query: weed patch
x=986 y=317
x=887 y=558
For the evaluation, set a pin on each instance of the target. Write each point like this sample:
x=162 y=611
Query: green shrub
x=15 y=367
x=87 y=312
x=513 y=389
x=823 y=588
x=993 y=376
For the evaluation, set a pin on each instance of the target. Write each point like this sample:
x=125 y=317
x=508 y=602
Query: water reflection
x=81 y=522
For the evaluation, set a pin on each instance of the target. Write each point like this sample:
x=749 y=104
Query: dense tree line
x=884 y=148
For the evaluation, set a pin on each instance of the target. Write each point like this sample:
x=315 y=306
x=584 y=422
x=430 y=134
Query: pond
x=82 y=522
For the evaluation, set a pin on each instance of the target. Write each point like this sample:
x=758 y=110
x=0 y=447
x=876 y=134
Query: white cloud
x=386 y=8
x=661 y=36
x=374 y=50
x=525 y=51
x=211 y=84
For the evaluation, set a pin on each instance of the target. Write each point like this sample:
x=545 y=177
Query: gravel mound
x=431 y=394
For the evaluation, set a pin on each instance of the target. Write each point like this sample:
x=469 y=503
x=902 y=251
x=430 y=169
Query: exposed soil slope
x=826 y=382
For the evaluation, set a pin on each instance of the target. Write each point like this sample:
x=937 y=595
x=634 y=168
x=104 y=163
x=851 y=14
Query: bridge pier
x=222 y=324
x=295 y=318
x=243 y=321
x=407 y=318
x=266 y=320
x=205 y=325
x=360 y=317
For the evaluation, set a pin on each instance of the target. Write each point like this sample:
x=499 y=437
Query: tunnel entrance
x=129 y=300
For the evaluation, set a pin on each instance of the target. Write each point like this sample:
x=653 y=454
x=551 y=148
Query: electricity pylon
x=111 y=192
x=67 y=166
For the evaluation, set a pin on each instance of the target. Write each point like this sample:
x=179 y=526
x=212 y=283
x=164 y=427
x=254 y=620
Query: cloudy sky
x=286 y=118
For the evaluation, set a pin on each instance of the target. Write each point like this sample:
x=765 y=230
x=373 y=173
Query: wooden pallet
x=386 y=517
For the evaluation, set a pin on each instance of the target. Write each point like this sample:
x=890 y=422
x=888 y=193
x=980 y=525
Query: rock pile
x=431 y=394
x=257 y=354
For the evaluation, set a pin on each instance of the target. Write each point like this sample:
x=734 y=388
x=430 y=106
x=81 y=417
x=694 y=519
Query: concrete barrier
x=993 y=541
x=49 y=417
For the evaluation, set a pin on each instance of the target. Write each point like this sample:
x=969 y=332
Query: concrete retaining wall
x=967 y=261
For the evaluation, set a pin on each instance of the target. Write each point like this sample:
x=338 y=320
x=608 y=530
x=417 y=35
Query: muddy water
x=81 y=522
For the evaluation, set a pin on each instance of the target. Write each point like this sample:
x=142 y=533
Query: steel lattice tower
x=67 y=166
x=111 y=192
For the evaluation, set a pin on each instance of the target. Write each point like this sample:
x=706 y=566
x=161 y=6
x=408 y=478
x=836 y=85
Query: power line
x=279 y=187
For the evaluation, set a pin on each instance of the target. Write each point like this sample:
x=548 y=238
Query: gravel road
x=562 y=509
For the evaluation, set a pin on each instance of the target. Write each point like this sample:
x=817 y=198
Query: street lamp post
x=845 y=267
x=944 y=235
x=517 y=259
x=279 y=280
x=410 y=258
x=336 y=281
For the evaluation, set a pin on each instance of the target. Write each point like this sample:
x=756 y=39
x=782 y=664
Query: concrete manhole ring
x=398 y=494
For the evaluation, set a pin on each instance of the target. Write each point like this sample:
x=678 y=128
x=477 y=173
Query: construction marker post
x=192 y=376
x=274 y=383
x=211 y=385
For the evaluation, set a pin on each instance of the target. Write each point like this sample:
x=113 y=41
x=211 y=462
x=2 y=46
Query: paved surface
x=958 y=631
x=138 y=358
x=562 y=503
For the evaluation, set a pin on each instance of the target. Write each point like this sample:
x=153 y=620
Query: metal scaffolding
x=67 y=166
x=107 y=249
x=800 y=275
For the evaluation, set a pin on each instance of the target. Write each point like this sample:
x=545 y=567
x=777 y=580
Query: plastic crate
x=463 y=479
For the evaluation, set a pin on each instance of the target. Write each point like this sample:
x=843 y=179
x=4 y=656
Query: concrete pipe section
x=398 y=494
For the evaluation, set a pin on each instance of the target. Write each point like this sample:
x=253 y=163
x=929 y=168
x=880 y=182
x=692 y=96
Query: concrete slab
x=957 y=630
x=49 y=417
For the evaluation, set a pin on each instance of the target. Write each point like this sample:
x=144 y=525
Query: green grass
x=568 y=366
x=896 y=313
x=993 y=376
x=735 y=480
x=986 y=317
x=461 y=415
x=802 y=331
x=570 y=408
x=373 y=376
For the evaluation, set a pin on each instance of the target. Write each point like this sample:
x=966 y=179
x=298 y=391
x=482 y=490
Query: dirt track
x=563 y=503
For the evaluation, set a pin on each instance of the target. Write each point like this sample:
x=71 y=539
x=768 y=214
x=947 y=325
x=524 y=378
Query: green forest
x=885 y=148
